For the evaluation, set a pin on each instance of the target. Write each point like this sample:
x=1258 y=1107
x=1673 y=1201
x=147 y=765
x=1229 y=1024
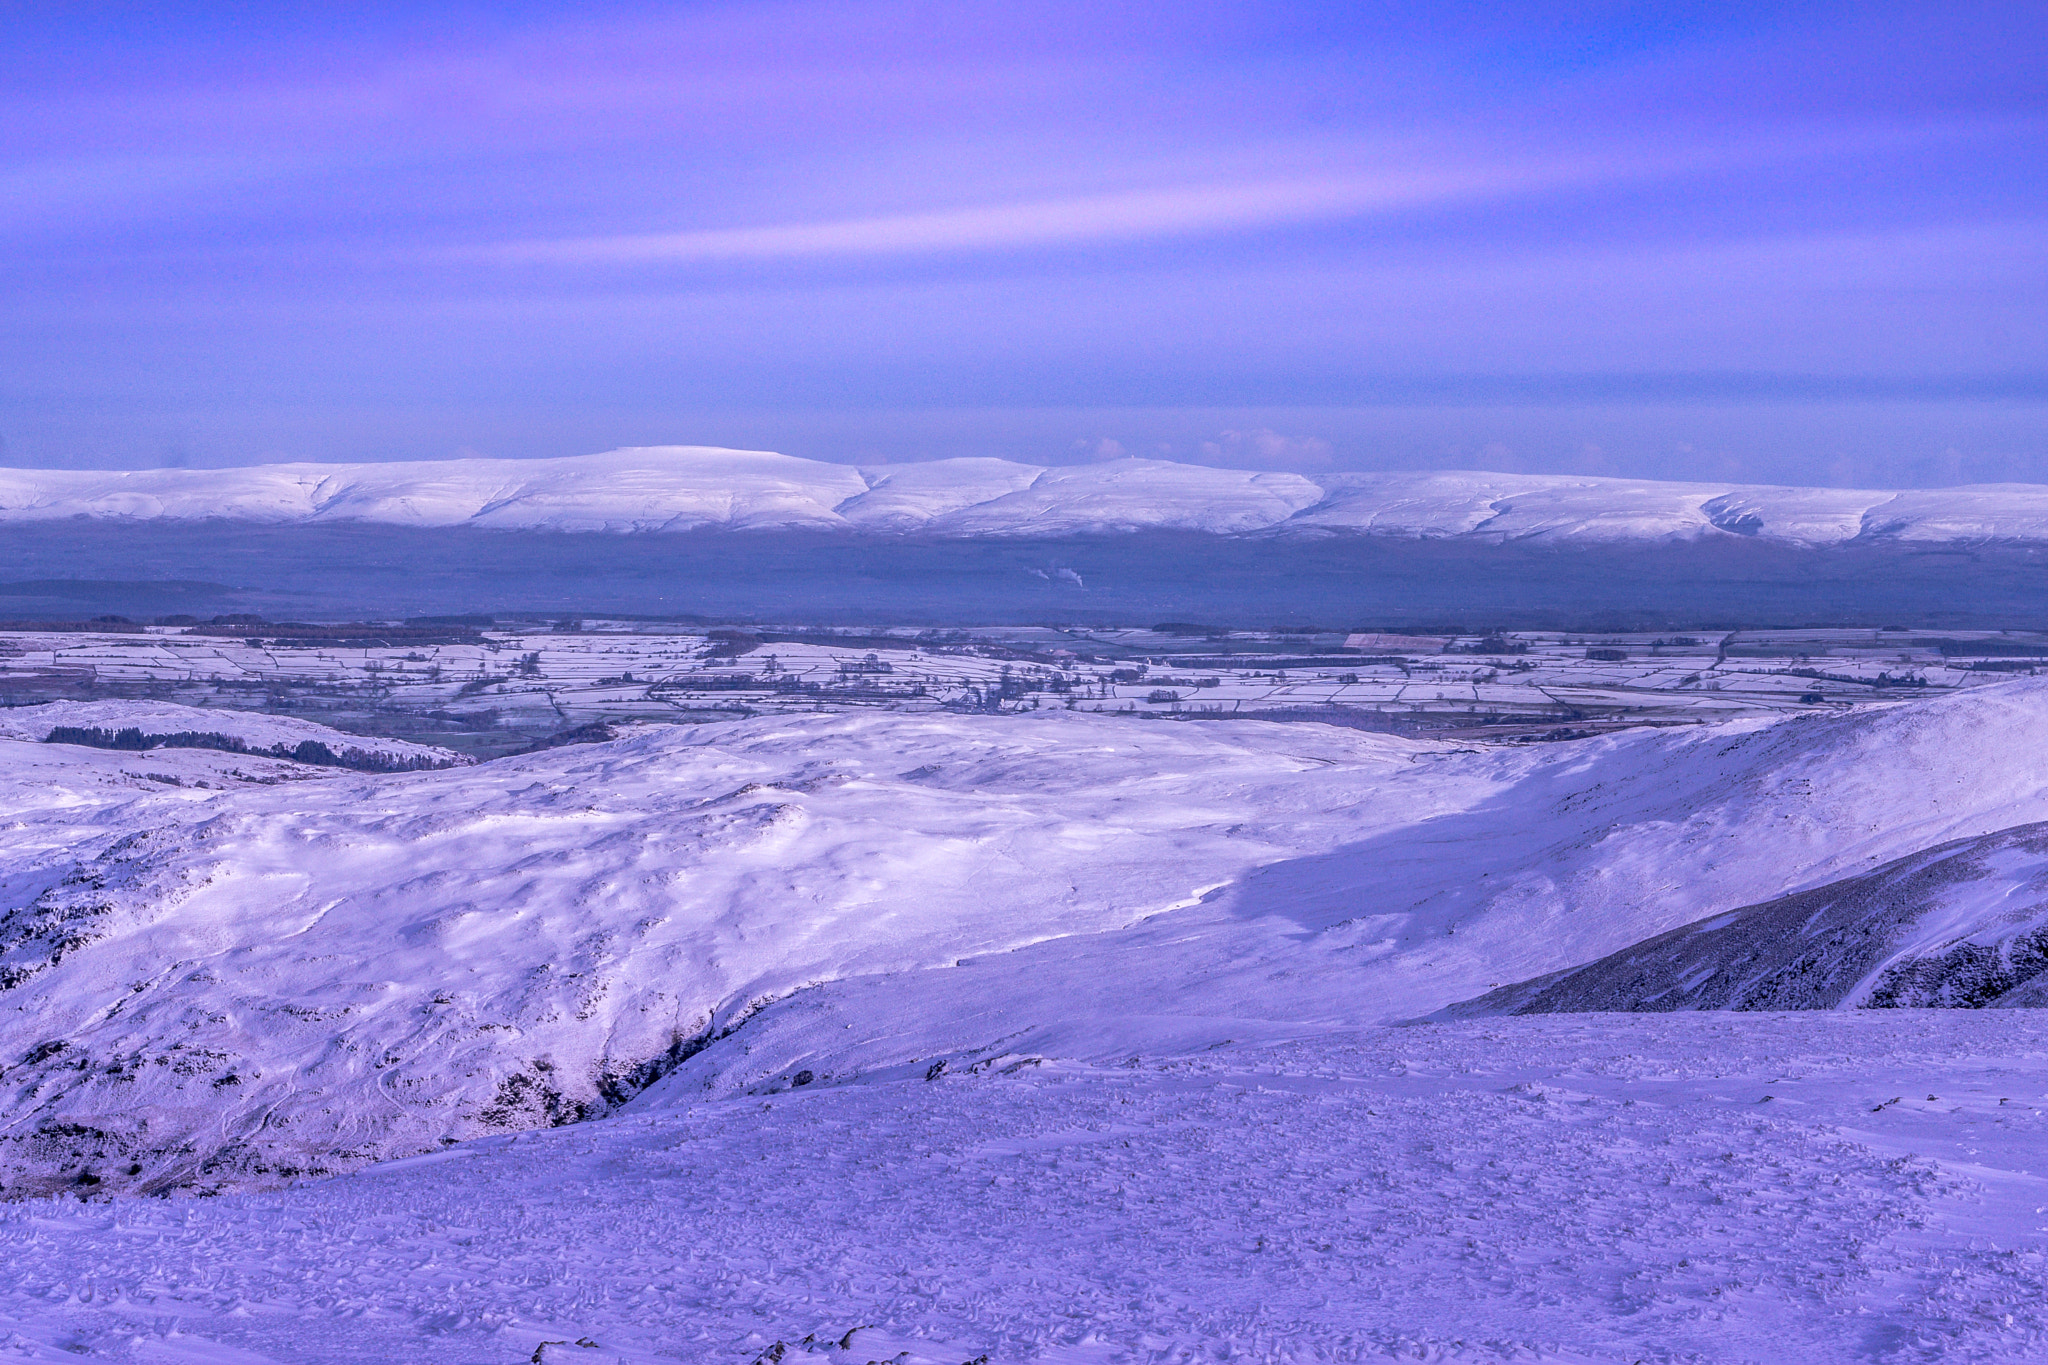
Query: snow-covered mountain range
x=218 y=968
x=678 y=488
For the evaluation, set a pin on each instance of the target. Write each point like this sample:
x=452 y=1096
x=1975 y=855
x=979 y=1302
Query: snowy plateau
x=1049 y=1038
x=679 y=488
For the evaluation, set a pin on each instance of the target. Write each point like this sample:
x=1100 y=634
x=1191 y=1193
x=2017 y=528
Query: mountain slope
x=216 y=984
x=208 y=984
x=1964 y=924
x=681 y=488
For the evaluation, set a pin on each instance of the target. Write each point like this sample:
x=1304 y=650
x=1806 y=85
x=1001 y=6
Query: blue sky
x=1803 y=243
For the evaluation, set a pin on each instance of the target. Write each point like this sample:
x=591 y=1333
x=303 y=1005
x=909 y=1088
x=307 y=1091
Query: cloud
x=1230 y=203
x=1104 y=218
x=1268 y=449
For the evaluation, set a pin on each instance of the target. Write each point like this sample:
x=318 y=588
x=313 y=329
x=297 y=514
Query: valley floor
x=1817 y=1187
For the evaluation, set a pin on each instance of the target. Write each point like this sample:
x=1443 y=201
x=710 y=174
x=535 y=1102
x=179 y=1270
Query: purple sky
x=1805 y=243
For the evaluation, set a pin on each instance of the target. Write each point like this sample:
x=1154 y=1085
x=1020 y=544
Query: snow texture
x=679 y=488
x=1709 y=1189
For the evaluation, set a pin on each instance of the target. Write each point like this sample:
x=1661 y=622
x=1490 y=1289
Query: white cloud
x=1230 y=204
x=1132 y=216
x=1264 y=448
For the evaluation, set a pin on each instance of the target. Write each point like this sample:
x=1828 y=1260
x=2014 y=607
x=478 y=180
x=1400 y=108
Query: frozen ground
x=677 y=488
x=1704 y=1188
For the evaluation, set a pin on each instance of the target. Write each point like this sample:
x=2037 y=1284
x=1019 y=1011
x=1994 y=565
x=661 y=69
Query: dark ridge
x=97 y=626
x=347 y=635
x=1987 y=649
x=1812 y=950
x=597 y=732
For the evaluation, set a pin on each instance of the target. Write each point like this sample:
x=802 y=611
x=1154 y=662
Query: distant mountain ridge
x=688 y=488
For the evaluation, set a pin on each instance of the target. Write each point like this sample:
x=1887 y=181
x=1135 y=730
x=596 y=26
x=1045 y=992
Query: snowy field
x=1037 y=1034
x=510 y=684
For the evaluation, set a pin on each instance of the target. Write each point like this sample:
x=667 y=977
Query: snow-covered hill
x=676 y=488
x=1964 y=924
x=237 y=981
x=154 y=725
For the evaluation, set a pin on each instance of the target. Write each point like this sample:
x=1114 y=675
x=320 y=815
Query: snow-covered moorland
x=1052 y=1037
x=676 y=488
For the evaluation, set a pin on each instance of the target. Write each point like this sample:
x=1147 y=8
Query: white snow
x=1054 y=1037
x=1128 y=495
x=1818 y=1188
x=909 y=497
x=380 y=962
x=677 y=488
x=666 y=488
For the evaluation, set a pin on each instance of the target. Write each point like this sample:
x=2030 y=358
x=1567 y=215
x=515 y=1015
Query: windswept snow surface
x=1054 y=1039
x=1712 y=1189
x=680 y=488
x=237 y=982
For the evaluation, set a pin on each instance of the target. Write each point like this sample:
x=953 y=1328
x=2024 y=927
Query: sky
x=1766 y=243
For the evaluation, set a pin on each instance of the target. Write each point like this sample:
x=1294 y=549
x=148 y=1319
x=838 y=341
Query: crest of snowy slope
x=1130 y=495
x=259 y=731
x=678 y=488
x=907 y=497
x=218 y=985
x=1963 y=924
x=1555 y=1190
x=1606 y=510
